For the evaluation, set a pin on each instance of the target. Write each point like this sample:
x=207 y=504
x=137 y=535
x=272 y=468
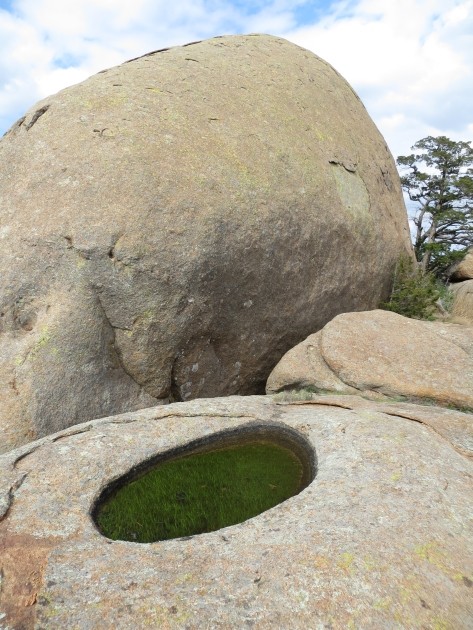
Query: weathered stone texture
x=464 y=269
x=383 y=354
x=462 y=309
x=382 y=538
x=171 y=226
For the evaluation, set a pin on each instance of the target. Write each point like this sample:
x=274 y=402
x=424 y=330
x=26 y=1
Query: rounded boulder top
x=171 y=226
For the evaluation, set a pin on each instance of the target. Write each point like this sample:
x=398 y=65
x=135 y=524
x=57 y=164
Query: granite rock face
x=462 y=277
x=381 y=538
x=383 y=354
x=464 y=269
x=462 y=309
x=170 y=227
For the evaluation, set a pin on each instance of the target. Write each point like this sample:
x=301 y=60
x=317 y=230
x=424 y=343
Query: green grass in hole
x=201 y=493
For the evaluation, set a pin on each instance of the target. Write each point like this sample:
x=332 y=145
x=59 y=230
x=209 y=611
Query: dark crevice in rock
x=116 y=350
x=150 y=54
x=160 y=50
x=50 y=440
x=197 y=41
x=174 y=391
x=379 y=409
x=386 y=177
x=36 y=116
x=15 y=126
x=13 y=384
x=79 y=252
x=112 y=326
x=100 y=131
x=368 y=191
x=406 y=416
x=25 y=454
x=321 y=403
x=350 y=167
x=11 y=496
x=174 y=414
x=111 y=251
x=70 y=433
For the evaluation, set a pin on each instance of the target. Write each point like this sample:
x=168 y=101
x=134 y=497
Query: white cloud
x=411 y=61
x=49 y=44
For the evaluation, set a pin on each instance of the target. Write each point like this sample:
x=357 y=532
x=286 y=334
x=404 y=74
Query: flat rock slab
x=381 y=538
x=383 y=354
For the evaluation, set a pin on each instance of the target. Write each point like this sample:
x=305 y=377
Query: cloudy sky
x=411 y=61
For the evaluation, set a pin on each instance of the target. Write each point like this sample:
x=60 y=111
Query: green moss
x=346 y=562
x=201 y=493
x=295 y=395
x=41 y=343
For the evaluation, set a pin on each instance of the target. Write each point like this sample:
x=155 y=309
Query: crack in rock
x=15 y=126
x=405 y=416
x=350 y=167
x=26 y=453
x=160 y=50
x=379 y=408
x=36 y=116
x=70 y=433
x=175 y=414
x=7 y=501
x=113 y=327
x=50 y=440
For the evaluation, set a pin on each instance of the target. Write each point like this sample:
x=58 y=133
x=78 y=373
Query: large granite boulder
x=383 y=354
x=170 y=227
x=462 y=288
x=462 y=307
x=381 y=538
x=464 y=269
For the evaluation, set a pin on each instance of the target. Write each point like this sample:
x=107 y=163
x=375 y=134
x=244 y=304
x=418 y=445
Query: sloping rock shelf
x=381 y=538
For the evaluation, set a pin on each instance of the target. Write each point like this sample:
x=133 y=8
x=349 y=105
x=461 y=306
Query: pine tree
x=439 y=180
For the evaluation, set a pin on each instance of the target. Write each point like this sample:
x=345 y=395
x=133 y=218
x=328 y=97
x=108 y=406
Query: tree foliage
x=416 y=294
x=438 y=178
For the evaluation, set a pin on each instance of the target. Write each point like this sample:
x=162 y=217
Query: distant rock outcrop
x=381 y=538
x=462 y=308
x=380 y=353
x=462 y=288
x=171 y=226
x=464 y=269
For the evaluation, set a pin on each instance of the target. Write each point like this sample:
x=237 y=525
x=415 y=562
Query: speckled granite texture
x=381 y=538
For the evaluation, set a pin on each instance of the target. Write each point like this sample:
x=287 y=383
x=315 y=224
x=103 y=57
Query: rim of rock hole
x=162 y=488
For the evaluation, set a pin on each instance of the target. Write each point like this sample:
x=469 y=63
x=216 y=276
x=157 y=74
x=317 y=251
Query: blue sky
x=411 y=61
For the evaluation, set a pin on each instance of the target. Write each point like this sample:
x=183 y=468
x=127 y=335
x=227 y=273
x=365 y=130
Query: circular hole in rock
x=206 y=485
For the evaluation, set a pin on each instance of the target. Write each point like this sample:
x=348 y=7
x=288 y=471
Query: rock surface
x=464 y=269
x=383 y=354
x=381 y=538
x=171 y=226
x=462 y=308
